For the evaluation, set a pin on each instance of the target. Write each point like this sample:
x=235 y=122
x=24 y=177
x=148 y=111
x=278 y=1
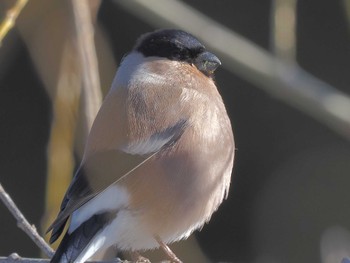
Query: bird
x=159 y=156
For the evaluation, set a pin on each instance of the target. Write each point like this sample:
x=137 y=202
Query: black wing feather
x=73 y=244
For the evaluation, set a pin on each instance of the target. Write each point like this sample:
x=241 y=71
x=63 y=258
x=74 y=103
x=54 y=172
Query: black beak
x=207 y=62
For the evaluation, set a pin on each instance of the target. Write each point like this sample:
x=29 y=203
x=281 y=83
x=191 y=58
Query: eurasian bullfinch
x=159 y=156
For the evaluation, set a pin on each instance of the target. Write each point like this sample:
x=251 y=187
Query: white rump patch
x=113 y=198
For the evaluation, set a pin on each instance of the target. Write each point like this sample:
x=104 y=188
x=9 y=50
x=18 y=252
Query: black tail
x=74 y=243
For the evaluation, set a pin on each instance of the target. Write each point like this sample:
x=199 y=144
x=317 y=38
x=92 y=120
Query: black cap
x=177 y=45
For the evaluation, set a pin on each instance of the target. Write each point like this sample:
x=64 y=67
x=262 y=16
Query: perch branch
x=23 y=224
x=14 y=258
x=10 y=18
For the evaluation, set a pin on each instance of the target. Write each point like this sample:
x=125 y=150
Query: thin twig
x=10 y=19
x=23 y=224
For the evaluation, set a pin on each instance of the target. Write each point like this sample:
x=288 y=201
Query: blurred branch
x=346 y=4
x=10 y=18
x=92 y=96
x=23 y=224
x=65 y=106
x=283 y=26
x=77 y=84
x=287 y=82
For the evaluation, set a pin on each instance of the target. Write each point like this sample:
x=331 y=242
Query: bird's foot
x=173 y=258
x=136 y=257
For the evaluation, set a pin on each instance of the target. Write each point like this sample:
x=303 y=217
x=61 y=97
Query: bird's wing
x=106 y=168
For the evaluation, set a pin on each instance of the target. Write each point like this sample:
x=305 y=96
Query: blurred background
x=285 y=82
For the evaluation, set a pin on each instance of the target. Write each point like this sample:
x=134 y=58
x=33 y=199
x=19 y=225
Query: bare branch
x=14 y=258
x=23 y=224
x=11 y=17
